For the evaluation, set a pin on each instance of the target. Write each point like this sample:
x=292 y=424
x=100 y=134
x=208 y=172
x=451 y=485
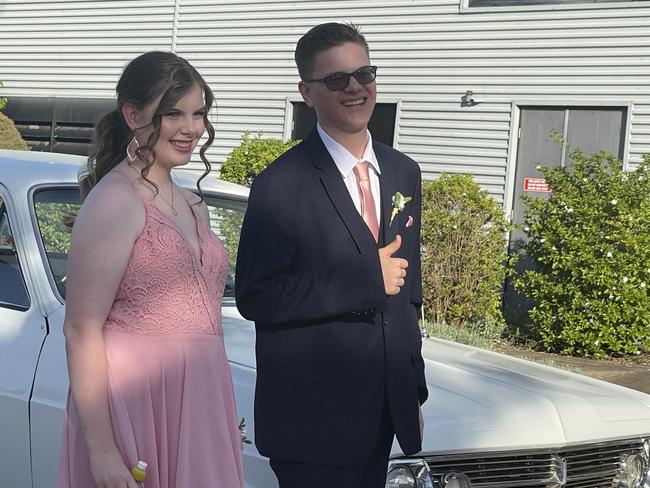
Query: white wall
x=428 y=53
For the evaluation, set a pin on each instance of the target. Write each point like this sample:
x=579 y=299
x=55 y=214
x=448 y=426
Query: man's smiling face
x=343 y=112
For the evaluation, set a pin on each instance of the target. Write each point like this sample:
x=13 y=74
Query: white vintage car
x=492 y=421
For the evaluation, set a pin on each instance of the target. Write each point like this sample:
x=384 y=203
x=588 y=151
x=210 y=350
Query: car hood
x=485 y=401
x=481 y=400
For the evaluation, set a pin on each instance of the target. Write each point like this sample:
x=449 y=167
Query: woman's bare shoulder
x=114 y=202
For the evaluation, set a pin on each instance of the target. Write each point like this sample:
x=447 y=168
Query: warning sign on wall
x=537 y=185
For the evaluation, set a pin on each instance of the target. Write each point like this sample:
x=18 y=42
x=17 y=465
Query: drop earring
x=132 y=156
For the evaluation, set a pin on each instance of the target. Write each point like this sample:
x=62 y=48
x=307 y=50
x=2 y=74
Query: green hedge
x=3 y=101
x=590 y=244
x=252 y=155
x=243 y=164
x=464 y=260
x=10 y=138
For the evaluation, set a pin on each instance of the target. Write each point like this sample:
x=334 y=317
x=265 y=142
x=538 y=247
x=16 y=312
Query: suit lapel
x=388 y=185
x=338 y=193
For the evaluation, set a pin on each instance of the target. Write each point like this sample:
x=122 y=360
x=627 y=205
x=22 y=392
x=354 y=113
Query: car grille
x=586 y=466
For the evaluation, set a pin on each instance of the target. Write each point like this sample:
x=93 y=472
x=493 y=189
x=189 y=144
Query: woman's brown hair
x=144 y=78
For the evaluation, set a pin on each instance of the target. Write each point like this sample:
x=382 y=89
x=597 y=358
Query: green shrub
x=230 y=222
x=243 y=164
x=10 y=138
x=464 y=261
x=3 y=101
x=51 y=221
x=590 y=244
x=248 y=159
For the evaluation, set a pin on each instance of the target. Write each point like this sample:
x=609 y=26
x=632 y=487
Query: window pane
x=514 y=3
x=226 y=217
x=381 y=124
x=52 y=207
x=13 y=293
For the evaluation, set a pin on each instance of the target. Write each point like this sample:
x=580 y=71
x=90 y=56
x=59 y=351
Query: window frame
x=225 y=300
x=7 y=204
x=71 y=186
x=465 y=7
x=37 y=231
x=288 y=116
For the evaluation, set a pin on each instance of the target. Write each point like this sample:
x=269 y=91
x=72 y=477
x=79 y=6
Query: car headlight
x=456 y=480
x=633 y=470
x=408 y=473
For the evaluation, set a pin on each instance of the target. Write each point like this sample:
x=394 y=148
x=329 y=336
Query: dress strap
x=133 y=179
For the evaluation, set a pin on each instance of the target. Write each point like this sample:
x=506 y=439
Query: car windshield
x=54 y=205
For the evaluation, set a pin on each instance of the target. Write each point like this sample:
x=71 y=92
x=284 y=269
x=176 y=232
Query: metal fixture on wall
x=468 y=99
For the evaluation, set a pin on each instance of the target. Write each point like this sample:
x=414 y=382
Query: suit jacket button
x=385 y=323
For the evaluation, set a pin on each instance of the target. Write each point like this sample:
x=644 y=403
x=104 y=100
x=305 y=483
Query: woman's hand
x=109 y=471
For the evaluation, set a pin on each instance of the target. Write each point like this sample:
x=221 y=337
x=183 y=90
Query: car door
x=50 y=205
x=22 y=331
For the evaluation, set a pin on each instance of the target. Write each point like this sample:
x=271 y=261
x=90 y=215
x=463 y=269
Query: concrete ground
x=633 y=372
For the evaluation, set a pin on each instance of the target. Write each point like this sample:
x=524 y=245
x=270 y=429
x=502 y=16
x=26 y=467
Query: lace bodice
x=167 y=288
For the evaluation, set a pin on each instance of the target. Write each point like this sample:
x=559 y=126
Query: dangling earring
x=132 y=157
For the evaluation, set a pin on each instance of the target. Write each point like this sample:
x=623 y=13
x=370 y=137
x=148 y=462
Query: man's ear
x=130 y=114
x=303 y=88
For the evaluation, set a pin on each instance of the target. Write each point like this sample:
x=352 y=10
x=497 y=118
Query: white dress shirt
x=346 y=162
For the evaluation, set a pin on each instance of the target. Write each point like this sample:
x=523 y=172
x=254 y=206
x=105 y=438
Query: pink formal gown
x=171 y=397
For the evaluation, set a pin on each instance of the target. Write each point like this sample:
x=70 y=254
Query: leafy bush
x=229 y=222
x=590 y=243
x=51 y=218
x=243 y=164
x=248 y=159
x=464 y=261
x=3 y=101
x=10 y=138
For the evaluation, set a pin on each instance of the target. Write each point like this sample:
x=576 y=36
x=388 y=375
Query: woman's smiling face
x=180 y=128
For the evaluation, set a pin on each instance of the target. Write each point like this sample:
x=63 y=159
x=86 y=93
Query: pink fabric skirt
x=172 y=405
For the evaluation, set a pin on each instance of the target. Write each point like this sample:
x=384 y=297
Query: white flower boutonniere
x=399 y=201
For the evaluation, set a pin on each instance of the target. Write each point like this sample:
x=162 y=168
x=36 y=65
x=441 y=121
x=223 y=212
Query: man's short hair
x=321 y=38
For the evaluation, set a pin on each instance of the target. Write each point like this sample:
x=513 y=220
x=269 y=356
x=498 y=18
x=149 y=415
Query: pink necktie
x=368 y=209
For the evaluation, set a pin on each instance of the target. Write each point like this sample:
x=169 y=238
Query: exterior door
x=591 y=129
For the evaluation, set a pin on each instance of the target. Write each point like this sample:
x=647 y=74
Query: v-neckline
x=196 y=253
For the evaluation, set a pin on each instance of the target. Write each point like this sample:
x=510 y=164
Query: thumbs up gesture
x=393 y=269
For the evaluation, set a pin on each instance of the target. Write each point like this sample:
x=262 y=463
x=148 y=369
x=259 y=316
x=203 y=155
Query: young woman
x=149 y=378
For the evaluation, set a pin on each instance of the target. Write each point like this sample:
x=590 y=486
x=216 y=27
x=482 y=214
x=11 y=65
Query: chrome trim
x=580 y=466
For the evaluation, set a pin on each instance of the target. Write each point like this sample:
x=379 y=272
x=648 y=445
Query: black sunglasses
x=340 y=81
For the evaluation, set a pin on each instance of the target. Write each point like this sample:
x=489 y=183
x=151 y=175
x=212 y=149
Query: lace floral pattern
x=166 y=287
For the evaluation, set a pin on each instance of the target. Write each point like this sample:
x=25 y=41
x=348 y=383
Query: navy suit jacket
x=330 y=341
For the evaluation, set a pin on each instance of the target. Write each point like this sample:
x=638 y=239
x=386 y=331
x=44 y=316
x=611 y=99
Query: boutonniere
x=399 y=201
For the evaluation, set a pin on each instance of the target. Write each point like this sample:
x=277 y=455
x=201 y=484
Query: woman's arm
x=108 y=223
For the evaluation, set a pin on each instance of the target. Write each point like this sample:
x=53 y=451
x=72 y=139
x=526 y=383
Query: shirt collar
x=344 y=159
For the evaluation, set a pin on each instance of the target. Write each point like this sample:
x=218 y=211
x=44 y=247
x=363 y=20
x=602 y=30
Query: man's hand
x=392 y=269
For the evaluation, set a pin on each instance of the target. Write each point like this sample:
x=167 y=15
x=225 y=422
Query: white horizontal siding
x=428 y=52
x=77 y=48
x=428 y=55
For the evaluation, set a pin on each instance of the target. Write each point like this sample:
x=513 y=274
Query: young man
x=329 y=270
